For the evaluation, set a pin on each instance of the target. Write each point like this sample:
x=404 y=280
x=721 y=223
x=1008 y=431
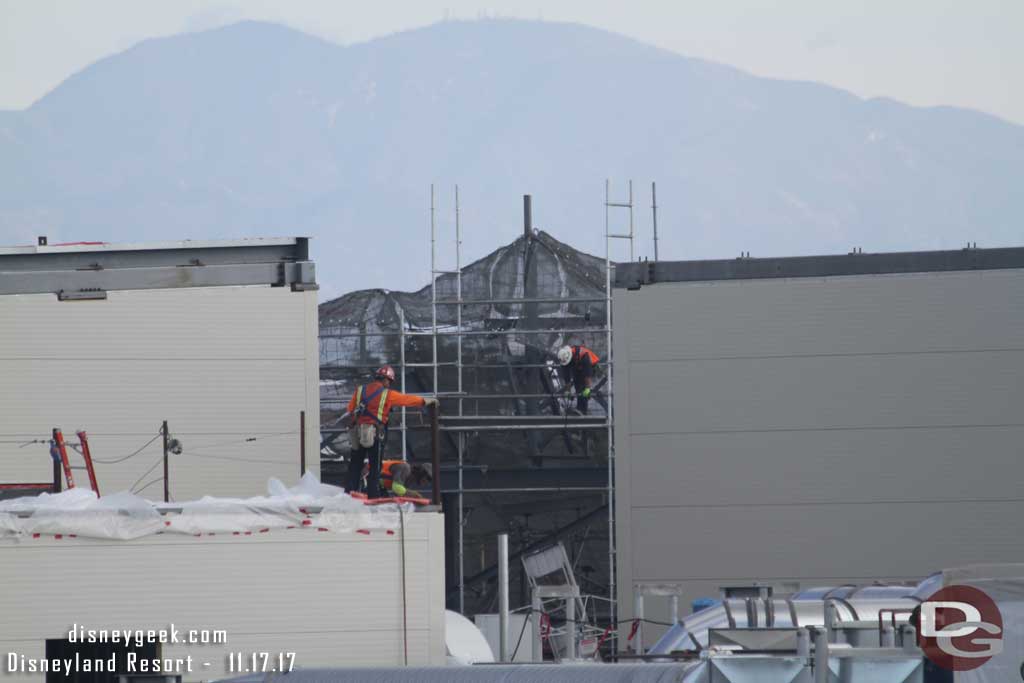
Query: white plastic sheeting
x=124 y=516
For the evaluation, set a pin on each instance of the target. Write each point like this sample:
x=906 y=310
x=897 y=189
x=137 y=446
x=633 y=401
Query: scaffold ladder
x=458 y=303
x=609 y=206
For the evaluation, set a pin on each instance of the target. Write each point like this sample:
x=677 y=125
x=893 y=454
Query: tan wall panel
x=229 y=368
x=252 y=587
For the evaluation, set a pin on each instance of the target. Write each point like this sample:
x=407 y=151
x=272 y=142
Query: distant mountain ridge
x=259 y=129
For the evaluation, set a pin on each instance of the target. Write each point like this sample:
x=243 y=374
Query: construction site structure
x=483 y=339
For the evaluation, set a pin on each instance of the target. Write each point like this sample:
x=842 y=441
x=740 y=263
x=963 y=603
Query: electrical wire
x=150 y=483
x=196 y=454
x=159 y=459
x=114 y=461
x=248 y=439
x=22 y=443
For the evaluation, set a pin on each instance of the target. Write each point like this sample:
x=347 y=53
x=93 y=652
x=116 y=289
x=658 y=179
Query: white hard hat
x=564 y=355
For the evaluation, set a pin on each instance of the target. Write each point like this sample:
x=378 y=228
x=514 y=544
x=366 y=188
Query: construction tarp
x=124 y=516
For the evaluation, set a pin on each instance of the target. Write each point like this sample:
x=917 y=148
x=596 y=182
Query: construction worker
x=370 y=408
x=397 y=475
x=578 y=365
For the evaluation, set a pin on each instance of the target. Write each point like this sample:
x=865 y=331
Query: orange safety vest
x=376 y=410
x=582 y=351
x=386 y=477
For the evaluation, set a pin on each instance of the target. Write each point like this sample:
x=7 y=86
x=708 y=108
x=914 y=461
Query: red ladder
x=61 y=445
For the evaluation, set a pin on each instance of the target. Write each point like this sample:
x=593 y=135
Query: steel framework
x=457 y=423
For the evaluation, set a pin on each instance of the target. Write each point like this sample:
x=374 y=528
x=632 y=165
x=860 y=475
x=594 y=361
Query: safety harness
x=364 y=402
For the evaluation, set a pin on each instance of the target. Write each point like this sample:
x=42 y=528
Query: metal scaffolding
x=609 y=236
x=448 y=328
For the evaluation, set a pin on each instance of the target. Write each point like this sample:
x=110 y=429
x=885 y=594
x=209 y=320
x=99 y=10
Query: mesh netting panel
x=360 y=331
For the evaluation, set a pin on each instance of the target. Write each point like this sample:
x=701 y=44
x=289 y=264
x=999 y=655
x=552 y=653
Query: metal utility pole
x=57 y=485
x=167 y=490
x=302 y=443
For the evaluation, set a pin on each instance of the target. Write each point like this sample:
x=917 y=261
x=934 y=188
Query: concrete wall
x=817 y=430
x=220 y=364
x=256 y=588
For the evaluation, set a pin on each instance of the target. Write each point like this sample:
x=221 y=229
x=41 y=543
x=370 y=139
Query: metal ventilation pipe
x=527 y=216
x=503 y=597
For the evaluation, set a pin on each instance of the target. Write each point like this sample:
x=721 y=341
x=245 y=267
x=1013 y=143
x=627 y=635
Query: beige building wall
x=229 y=368
x=256 y=588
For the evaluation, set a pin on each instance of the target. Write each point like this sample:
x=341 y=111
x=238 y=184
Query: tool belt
x=363 y=435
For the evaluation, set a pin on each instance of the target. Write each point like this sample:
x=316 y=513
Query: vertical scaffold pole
x=461 y=442
x=401 y=365
x=433 y=283
x=654 y=217
x=612 y=587
x=630 y=221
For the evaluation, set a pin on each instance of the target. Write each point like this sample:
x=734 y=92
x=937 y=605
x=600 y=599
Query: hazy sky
x=960 y=52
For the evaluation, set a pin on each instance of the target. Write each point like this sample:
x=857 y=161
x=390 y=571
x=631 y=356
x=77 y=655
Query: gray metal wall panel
x=821 y=540
x=817 y=429
x=623 y=461
x=868 y=314
x=843 y=392
x=826 y=466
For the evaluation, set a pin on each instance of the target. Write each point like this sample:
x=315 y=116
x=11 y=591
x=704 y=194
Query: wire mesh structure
x=483 y=337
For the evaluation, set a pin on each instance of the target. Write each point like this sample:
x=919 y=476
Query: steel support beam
x=70 y=283
x=632 y=275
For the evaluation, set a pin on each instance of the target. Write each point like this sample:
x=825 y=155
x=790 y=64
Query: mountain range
x=258 y=129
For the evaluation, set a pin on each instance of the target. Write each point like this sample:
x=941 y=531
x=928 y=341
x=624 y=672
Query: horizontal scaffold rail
x=519 y=419
x=491 y=366
x=492 y=423
x=459 y=333
x=472 y=423
x=571 y=426
x=513 y=301
x=468 y=397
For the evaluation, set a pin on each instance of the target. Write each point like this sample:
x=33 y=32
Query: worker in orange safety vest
x=397 y=476
x=371 y=407
x=577 y=365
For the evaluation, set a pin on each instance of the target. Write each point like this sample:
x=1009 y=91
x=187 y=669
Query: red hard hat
x=385 y=371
